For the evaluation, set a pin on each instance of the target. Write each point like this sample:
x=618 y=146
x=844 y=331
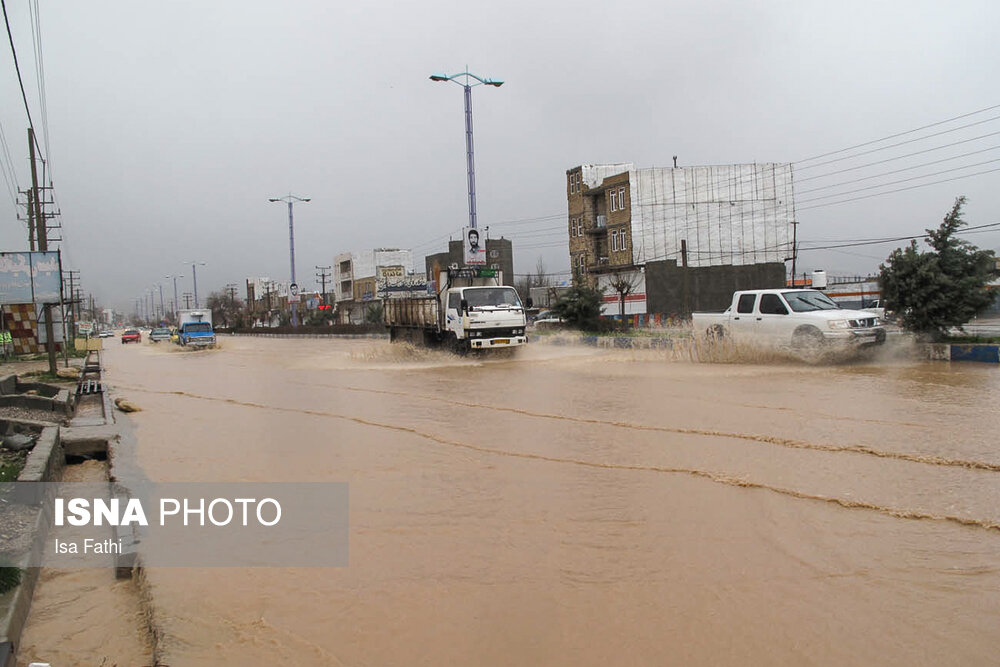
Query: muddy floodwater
x=575 y=506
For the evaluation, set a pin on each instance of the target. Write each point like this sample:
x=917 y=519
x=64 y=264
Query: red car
x=131 y=336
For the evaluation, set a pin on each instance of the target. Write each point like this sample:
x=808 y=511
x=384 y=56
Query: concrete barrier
x=44 y=464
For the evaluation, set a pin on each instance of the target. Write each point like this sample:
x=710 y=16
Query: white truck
x=194 y=328
x=804 y=319
x=472 y=310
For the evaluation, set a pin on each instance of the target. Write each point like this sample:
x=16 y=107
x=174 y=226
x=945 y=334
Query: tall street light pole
x=293 y=287
x=194 y=277
x=469 y=152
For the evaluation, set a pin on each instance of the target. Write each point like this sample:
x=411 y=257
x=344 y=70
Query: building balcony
x=601 y=227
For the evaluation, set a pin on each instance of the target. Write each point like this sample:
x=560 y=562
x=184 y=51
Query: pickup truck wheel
x=809 y=341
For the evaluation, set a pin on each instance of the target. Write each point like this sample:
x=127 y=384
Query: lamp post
x=293 y=287
x=175 y=293
x=194 y=277
x=469 y=152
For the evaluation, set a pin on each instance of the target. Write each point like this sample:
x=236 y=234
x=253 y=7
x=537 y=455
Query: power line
x=912 y=187
x=900 y=134
x=36 y=43
x=901 y=143
x=902 y=180
x=898 y=157
x=17 y=68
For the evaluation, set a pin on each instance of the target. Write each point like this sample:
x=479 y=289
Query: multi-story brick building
x=726 y=226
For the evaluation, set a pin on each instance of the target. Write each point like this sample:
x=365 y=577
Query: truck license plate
x=502 y=341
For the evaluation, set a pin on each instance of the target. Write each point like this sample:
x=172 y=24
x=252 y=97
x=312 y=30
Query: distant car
x=547 y=319
x=106 y=334
x=158 y=334
x=877 y=308
x=131 y=336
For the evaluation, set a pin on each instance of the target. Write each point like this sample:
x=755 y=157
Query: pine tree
x=944 y=287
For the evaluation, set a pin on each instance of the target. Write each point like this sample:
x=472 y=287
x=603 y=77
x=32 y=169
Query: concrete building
x=672 y=240
x=358 y=275
x=499 y=255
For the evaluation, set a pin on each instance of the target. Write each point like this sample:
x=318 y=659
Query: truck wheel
x=459 y=347
x=809 y=342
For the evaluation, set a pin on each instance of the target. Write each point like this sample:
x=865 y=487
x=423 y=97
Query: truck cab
x=195 y=328
x=485 y=317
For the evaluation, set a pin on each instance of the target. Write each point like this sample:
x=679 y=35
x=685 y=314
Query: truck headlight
x=839 y=324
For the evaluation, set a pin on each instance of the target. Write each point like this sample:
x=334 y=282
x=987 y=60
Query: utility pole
x=31 y=218
x=684 y=277
x=176 y=302
x=231 y=288
x=795 y=247
x=41 y=230
x=71 y=278
x=194 y=277
x=323 y=275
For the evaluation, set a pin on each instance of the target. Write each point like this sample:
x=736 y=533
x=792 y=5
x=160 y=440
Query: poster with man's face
x=475 y=248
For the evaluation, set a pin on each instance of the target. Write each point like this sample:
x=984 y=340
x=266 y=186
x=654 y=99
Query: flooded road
x=575 y=506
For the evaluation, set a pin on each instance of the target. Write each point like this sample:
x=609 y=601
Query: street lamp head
x=273 y=199
x=306 y=199
x=439 y=77
x=490 y=82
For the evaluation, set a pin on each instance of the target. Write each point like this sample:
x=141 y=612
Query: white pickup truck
x=801 y=318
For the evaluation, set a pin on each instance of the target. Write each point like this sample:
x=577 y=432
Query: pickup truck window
x=805 y=301
x=770 y=304
x=745 y=304
x=194 y=327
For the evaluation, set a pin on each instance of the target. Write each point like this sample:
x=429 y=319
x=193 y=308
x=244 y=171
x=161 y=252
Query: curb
x=976 y=352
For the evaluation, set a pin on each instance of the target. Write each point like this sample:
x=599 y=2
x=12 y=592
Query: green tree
x=226 y=307
x=580 y=306
x=944 y=287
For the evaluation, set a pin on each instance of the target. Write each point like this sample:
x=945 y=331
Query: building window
x=614 y=200
x=494 y=253
x=572 y=183
x=622 y=240
x=614 y=240
x=621 y=198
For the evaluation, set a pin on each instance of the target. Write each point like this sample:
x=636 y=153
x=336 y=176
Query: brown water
x=84 y=617
x=581 y=507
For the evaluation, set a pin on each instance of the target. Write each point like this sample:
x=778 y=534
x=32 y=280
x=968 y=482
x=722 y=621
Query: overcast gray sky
x=171 y=123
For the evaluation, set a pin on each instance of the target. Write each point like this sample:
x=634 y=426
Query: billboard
x=474 y=251
x=30 y=277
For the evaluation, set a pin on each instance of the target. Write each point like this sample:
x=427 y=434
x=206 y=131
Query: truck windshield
x=805 y=301
x=497 y=297
x=195 y=327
